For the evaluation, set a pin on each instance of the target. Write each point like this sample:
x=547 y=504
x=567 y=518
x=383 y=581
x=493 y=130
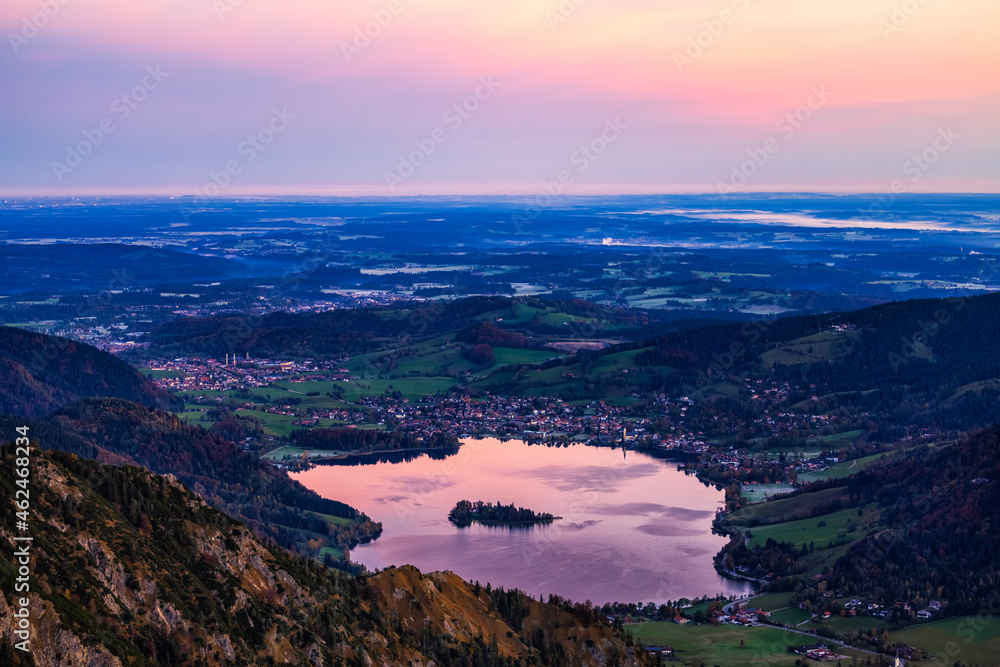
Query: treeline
x=465 y=512
x=480 y=354
x=667 y=356
x=488 y=333
x=772 y=559
x=369 y=440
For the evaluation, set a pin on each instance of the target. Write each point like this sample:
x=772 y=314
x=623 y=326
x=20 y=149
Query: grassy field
x=973 y=387
x=726 y=275
x=612 y=363
x=280 y=425
x=796 y=507
x=790 y=616
x=842 y=439
x=339 y=520
x=509 y=355
x=412 y=388
x=434 y=362
x=333 y=551
x=720 y=645
x=845 y=469
x=524 y=313
x=808 y=349
x=834 y=529
x=847 y=624
x=769 y=601
x=280 y=453
x=193 y=417
x=967 y=639
x=758 y=492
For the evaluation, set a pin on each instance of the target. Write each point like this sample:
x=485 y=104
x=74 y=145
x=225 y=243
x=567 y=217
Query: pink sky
x=893 y=77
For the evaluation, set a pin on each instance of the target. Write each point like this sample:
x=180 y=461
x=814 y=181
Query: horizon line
x=454 y=190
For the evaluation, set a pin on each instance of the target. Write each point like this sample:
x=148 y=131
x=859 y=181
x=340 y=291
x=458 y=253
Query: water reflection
x=634 y=527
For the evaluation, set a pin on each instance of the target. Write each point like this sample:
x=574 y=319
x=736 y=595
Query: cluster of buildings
x=856 y=607
x=543 y=419
x=532 y=418
x=817 y=652
x=742 y=616
x=197 y=374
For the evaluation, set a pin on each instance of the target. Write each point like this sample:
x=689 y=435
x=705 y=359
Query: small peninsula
x=466 y=512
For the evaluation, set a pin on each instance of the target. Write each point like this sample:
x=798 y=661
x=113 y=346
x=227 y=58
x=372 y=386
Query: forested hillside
x=117 y=421
x=237 y=482
x=131 y=568
x=940 y=512
x=365 y=329
x=315 y=334
x=39 y=374
x=908 y=365
x=915 y=527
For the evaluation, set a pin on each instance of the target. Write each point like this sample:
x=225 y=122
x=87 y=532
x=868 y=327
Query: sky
x=400 y=97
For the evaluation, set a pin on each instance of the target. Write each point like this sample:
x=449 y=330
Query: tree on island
x=465 y=512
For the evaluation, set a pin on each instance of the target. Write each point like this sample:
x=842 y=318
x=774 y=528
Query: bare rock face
x=51 y=645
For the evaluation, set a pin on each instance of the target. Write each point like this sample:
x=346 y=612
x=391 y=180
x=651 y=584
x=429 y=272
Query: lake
x=634 y=528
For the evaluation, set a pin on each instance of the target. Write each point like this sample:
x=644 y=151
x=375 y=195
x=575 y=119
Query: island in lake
x=466 y=512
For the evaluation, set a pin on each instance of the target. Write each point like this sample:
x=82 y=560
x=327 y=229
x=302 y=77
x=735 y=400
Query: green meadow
x=720 y=645
x=971 y=640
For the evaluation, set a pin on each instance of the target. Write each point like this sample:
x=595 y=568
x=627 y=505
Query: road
x=817 y=638
x=727 y=609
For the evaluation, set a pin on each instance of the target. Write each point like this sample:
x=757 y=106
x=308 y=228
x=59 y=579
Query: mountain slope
x=39 y=374
x=940 y=513
x=894 y=369
x=230 y=479
x=131 y=568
